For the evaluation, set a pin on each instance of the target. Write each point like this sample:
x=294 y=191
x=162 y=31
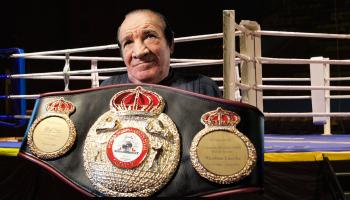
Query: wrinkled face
x=144 y=47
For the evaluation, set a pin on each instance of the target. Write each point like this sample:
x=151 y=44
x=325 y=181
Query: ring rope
x=198 y=37
x=48 y=77
x=108 y=70
x=87 y=58
x=301 y=34
x=76 y=72
x=25 y=96
x=306 y=97
x=338 y=79
x=338 y=97
x=58 y=77
x=286 y=79
x=15 y=116
x=300 y=87
x=266 y=60
x=217 y=78
x=292 y=87
x=286 y=97
x=305 y=79
x=192 y=38
x=35 y=96
x=65 y=51
x=308 y=114
x=80 y=58
x=338 y=114
x=115 y=46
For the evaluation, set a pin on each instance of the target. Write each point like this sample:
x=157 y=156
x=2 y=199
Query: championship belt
x=147 y=140
x=133 y=149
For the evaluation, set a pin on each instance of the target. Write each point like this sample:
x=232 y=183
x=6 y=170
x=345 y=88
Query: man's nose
x=140 y=50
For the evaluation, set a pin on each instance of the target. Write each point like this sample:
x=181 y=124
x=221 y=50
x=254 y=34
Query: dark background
x=53 y=25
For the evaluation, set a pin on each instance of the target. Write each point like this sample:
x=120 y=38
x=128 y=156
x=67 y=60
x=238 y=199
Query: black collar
x=167 y=80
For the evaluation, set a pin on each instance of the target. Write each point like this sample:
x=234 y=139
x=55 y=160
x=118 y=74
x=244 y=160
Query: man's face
x=145 y=50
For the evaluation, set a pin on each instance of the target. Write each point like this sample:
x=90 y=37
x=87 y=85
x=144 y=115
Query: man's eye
x=127 y=43
x=149 y=35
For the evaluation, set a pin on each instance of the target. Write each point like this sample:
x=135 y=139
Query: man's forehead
x=139 y=21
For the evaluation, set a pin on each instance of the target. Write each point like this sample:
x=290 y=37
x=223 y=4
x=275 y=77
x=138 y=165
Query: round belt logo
x=133 y=149
x=127 y=148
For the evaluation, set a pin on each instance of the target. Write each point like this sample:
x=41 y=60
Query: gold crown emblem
x=60 y=106
x=138 y=99
x=220 y=117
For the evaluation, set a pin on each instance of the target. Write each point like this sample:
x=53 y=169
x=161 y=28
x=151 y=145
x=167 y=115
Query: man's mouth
x=144 y=64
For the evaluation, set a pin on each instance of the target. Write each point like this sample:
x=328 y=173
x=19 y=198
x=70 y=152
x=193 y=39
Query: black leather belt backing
x=185 y=110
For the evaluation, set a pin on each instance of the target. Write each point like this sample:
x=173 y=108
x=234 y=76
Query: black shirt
x=191 y=82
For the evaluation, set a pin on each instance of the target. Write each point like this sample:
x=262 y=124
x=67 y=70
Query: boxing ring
x=242 y=71
x=242 y=81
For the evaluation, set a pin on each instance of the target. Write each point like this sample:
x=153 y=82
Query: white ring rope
x=337 y=114
x=108 y=70
x=334 y=114
x=114 y=46
x=217 y=78
x=34 y=96
x=20 y=116
x=198 y=37
x=286 y=97
x=300 y=87
x=67 y=51
x=87 y=58
x=80 y=58
x=301 y=34
x=76 y=72
x=57 y=77
x=25 y=96
x=304 y=79
x=339 y=97
x=49 y=77
x=338 y=79
x=190 y=38
x=305 y=97
x=286 y=79
x=191 y=64
x=295 y=61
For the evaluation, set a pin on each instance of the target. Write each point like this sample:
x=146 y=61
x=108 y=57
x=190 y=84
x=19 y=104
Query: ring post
x=229 y=69
x=17 y=107
x=66 y=70
x=94 y=75
x=251 y=71
x=327 y=126
x=320 y=101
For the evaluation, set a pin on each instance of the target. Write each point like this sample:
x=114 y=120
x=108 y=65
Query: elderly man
x=146 y=42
